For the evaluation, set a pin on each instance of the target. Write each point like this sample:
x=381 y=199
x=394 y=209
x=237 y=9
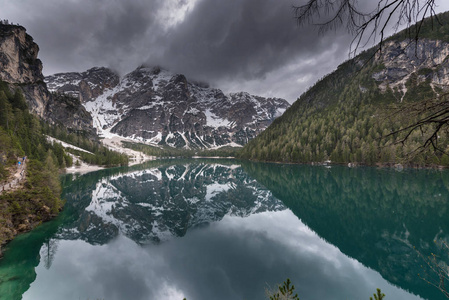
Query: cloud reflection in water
x=235 y=258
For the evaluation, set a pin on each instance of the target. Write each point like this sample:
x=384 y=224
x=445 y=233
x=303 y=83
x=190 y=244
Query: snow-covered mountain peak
x=154 y=106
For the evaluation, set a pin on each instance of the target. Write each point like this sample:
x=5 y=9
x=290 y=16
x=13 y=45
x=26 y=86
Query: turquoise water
x=230 y=230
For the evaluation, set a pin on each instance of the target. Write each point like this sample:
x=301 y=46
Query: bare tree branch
x=366 y=26
x=430 y=116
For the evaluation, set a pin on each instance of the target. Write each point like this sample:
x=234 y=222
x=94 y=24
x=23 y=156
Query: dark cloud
x=76 y=35
x=244 y=38
x=252 y=45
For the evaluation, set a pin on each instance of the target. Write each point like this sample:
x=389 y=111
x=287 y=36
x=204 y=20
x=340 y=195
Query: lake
x=225 y=229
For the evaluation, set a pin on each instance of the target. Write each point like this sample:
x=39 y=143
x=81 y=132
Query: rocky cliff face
x=86 y=85
x=407 y=63
x=19 y=65
x=20 y=68
x=152 y=105
x=18 y=56
x=70 y=113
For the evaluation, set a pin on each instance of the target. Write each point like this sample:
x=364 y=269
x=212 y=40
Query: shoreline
x=87 y=168
x=114 y=143
x=396 y=166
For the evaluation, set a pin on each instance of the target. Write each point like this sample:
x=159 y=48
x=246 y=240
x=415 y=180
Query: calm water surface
x=229 y=230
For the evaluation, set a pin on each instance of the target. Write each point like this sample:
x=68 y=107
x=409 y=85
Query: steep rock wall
x=20 y=68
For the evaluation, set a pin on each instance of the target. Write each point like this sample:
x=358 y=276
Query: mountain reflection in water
x=155 y=204
x=214 y=230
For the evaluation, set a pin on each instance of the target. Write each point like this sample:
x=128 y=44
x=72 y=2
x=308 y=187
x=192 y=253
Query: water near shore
x=228 y=230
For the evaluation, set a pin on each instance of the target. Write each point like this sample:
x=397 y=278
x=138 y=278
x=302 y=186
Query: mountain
x=155 y=106
x=21 y=69
x=349 y=115
x=160 y=202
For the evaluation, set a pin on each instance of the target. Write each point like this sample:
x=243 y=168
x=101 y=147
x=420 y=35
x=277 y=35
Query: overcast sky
x=236 y=45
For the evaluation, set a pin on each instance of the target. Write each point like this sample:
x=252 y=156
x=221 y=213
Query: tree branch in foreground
x=366 y=26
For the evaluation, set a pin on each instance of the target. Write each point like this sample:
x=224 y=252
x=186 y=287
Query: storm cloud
x=250 y=45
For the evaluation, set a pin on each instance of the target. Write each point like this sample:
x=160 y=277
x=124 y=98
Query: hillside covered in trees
x=21 y=135
x=360 y=113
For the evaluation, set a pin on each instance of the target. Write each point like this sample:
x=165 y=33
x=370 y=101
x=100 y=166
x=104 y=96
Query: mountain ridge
x=155 y=106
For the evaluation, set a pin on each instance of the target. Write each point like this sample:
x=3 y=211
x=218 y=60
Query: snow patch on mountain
x=103 y=110
x=215 y=121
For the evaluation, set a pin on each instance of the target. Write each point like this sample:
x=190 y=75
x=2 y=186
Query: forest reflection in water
x=218 y=230
x=385 y=219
